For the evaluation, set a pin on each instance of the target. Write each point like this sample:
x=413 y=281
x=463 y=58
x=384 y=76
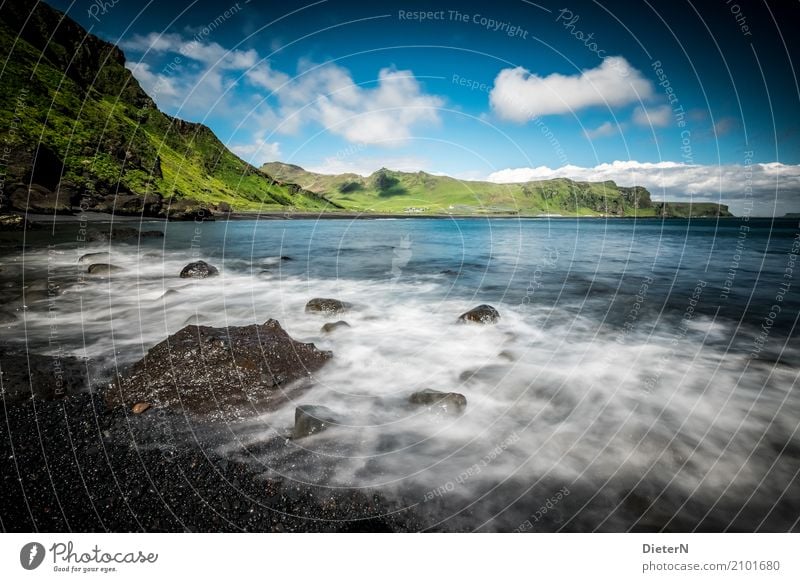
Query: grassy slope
x=107 y=132
x=391 y=192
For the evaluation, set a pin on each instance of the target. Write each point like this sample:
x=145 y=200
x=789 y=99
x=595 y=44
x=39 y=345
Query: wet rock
x=507 y=355
x=447 y=402
x=481 y=314
x=39 y=199
x=43 y=377
x=331 y=327
x=312 y=419
x=120 y=233
x=140 y=407
x=14 y=222
x=89 y=258
x=327 y=306
x=104 y=269
x=199 y=270
x=231 y=372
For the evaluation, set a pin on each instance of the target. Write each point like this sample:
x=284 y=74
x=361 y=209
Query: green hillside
x=387 y=191
x=68 y=103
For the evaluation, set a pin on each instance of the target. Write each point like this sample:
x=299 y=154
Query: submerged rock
x=14 y=222
x=104 y=269
x=198 y=270
x=447 y=402
x=140 y=407
x=327 y=306
x=312 y=419
x=481 y=314
x=89 y=258
x=330 y=327
x=228 y=371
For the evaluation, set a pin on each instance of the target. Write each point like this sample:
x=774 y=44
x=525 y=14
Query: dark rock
x=89 y=258
x=198 y=270
x=480 y=314
x=285 y=258
x=104 y=269
x=43 y=377
x=228 y=371
x=331 y=327
x=14 y=222
x=327 y=306
x=39 y=199
x=120 y=233
x=312 y=419
x=448 y=402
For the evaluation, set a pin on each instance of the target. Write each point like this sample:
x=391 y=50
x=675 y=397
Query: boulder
x=481 y=314
x=330 y=327
x=311 y=419
x=40 y=200
x=447 y=402
x=327 y=306
x=89 y=258
x=227 y=372
x=43 y=377
x=198 y=270
x=120 y=233
x=104 y=269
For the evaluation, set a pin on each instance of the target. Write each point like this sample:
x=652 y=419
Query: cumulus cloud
x=657 y=116
x=196 y=78
x=774 y=187
x=519 y=95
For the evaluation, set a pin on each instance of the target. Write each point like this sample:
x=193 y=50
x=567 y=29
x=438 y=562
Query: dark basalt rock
x=104 y=269
x=198 y=270
x=231 y=372
x=327 y=306
x=331 y=327
x=311 y=419
x=447 y=402
x=94 y=258
x=481 y=314
x=42 y=377
x=14 y=222
x=121 y=233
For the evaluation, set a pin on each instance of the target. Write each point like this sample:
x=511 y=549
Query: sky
x=694 y=100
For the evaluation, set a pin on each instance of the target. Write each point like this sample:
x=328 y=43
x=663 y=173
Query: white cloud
x=384 y=114
x=775 y=186
x=519 y=95
x=657 y=116
x=196 y=78
x=364 y=166
x=604 y=130
x=259 y=152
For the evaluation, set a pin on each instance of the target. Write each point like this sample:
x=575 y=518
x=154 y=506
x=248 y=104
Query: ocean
x=642 y=374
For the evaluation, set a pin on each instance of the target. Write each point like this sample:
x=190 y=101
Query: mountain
x=79 y=131
x=387 y=191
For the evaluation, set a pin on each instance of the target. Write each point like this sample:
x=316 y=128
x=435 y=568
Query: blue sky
x=691 y=101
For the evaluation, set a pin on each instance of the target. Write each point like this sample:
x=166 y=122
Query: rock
x=39 y=199
x=327 y=306
x=447 y=402
x=94 y=258
x=507 y=355
x=120 y=233
x=104 y=269
x=140 y=407
x=14 y=222
x=199 y=270
x=312 y=419
x=7 y=317
x=331 y=327
x=44 y=377
x=226 y=371
x=285 y=258
x=480 y=314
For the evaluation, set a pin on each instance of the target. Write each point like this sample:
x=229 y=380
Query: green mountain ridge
x=388 y=191
x=79 y=131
